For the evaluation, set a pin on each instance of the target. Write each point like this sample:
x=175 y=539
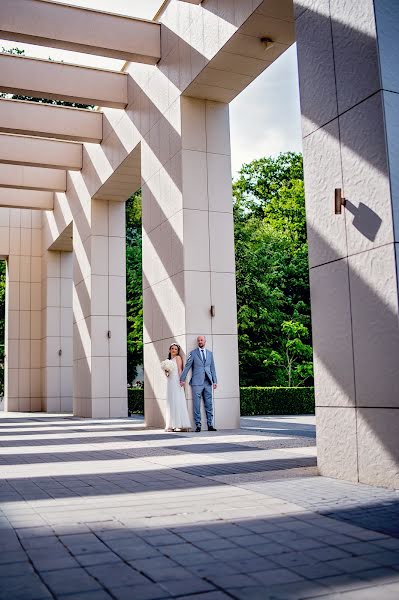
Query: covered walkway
x=102 y=509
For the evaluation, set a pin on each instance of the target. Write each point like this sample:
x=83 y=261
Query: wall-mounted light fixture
x=109 y=335
x=60 y=352
x=339 y=201
x=267 y=42
x=212 y=310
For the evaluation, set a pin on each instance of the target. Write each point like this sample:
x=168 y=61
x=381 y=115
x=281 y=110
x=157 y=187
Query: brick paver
x=93 y=510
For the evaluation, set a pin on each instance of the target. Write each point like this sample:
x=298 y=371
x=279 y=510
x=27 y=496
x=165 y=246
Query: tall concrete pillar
x=57 y=331
x=20 y=242
x=99 y=310
x=188 y=251
x=347 y=55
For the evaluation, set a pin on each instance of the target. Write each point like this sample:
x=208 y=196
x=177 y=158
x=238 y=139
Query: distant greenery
x=253 y=401
x=272 y=273
x=277 y=401
x=134 y=284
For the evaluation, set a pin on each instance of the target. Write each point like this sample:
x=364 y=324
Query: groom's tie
x=203 y=356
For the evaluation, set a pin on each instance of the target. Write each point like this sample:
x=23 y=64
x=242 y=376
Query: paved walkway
x=94 y=510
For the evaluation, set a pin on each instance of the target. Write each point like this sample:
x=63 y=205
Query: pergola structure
x=163 y=125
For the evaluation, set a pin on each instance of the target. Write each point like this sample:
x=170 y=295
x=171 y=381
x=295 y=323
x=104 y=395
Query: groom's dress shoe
x=198 y=429
x=211 y=428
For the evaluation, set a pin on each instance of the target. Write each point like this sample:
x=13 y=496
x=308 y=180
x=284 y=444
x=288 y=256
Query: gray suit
x=202 y=379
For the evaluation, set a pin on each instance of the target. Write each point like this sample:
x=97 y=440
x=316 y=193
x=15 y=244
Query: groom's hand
x=215 y=386
x=182 y=383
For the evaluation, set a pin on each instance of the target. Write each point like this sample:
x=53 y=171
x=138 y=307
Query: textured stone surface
x=378 y=434
x=387 y=21
x=355 y=51
x=332 y=335
x=336 y=442
x=316 y=68
x=374 y=299
x=391 y=108
x=326 y=231
x=365 y=176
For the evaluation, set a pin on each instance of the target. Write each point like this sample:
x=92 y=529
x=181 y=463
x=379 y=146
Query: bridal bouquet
x=168 y=366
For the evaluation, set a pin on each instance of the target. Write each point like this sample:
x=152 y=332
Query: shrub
x=277 y=400
x=135 y=401
x=254 y=401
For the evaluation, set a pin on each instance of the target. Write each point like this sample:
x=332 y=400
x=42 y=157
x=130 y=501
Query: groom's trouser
x=204 y=391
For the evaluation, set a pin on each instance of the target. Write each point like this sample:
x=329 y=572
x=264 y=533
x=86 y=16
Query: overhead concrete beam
x=32 y=178
x=48 y=120
x=251 y=49
x=64 y=242
x=39 y=152
x=60 y=81
x=124 y=181
x=26 y=199
x=80 y=29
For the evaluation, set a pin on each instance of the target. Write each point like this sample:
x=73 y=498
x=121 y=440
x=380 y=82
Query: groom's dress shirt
x=202 y=350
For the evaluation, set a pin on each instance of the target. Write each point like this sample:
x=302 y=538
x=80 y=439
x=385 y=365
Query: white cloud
x=265 y=118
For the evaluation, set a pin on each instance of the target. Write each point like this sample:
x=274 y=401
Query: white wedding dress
x=176 y=405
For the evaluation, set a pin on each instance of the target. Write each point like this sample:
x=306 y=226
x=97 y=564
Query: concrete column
x=20 y=242
x=347 y=58
x=188 y=252
x=57 y=331
x=99 y=310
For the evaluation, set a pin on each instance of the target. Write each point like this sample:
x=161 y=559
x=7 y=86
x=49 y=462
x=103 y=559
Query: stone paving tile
x=99 y=558
x=26 y=587
x=233 y=581
x=95 y=595
x=194 y=585
x=53 y=563
x=99 y=510
x=218 y=595
x=71 y=581
x=149 y=591
x=295 y=591
x=117 y=575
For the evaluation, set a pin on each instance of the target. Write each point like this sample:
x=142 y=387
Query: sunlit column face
x=188 y=252
x=23 y=308
x=100 y=310
x=350 y=142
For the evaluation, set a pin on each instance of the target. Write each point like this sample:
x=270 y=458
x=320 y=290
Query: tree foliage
x=272 y=269
x=134 y=294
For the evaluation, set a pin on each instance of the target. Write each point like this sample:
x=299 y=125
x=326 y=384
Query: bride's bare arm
x=179 y=365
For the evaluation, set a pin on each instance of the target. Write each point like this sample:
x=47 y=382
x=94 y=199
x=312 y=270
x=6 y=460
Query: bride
x=176 y=406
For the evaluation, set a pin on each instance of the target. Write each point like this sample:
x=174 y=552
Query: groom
x=203 y=379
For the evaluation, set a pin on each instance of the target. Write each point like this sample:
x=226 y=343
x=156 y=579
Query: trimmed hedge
x=277 y=401
x=254 y=401
x=135 y=401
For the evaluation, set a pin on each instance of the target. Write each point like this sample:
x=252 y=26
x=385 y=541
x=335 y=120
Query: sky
x=264 y=118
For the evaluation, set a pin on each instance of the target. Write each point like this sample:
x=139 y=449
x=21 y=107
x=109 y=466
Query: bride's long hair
x=178 y=350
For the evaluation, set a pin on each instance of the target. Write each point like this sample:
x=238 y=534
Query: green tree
x=271 y=262
x=262 y=180
x=134 y=283
x=295 y=356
